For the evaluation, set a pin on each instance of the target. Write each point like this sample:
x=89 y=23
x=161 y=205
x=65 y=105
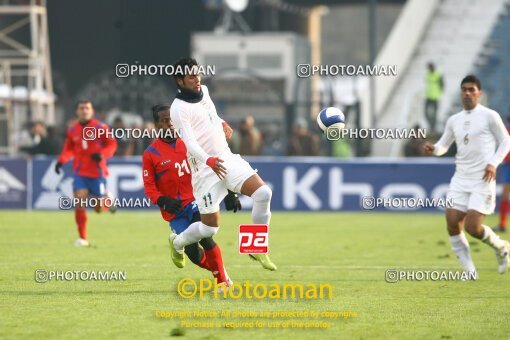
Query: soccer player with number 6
x=482 y=143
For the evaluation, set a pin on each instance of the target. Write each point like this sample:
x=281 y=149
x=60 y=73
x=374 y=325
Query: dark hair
x=181 y=65
x=471 y=79
x=83 y=101
x=156 y=109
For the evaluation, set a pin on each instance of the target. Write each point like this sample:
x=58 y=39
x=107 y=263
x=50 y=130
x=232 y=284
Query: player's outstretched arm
x=149 y=179
x=500 y=133
x=428 y=148
x=443 y=144
x=227 y=129
x=170 y=205
x=218 y=168
x=67 y=153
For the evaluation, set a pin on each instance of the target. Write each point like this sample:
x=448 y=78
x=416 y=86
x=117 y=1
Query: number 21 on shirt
x=181 y=166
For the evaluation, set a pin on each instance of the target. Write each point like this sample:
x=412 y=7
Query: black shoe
x=500 y=229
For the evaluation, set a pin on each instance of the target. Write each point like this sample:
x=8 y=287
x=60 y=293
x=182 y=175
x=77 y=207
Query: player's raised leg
x=460 y=245
x=475 y=228
x=261 y=194
x=208 y=202
x=214 y=260
x=209 y=257
x=208 y=227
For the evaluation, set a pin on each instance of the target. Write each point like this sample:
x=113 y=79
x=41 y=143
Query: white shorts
x=470 y=194
x=209 y=190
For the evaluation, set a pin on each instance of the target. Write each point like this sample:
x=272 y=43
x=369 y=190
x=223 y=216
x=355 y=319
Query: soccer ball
x=331 y=117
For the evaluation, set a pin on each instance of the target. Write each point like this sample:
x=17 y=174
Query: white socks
x=194 y=233
x=490 y=238
x=460 y=247
x=260 y=213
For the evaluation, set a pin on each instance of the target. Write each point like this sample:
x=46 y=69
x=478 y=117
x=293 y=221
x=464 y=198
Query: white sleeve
x=446 y=140
x=181 y=121
x=205 y=90
x=503 y=139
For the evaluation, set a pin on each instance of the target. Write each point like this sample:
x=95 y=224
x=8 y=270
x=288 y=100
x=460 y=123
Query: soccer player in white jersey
x=482 y=143
x=215 y=169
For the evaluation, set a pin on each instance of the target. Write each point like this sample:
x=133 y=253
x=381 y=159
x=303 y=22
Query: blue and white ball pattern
x=331 y=117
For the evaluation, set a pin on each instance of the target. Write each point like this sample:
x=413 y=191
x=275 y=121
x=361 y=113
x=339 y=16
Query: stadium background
x=88 y=39
x=350 y=250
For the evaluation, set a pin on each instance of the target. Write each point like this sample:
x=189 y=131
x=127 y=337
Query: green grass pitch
x=351 y=251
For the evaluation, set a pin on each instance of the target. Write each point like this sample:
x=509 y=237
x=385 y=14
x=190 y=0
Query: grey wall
x=345 y=32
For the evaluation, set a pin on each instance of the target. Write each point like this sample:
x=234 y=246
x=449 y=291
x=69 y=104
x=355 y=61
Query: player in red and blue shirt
x=167 y=183
x=89 y=147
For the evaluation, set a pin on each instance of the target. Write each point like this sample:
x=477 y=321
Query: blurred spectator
x=434 y=86
x=247 y=139
x=250 y=139
x=125 y=146
x=234 y=142
x=303 y=142
x=25 y=139
x=45 y=141
x=414 y=146
x=341 y=148
x=272 y=137
x=138 y=143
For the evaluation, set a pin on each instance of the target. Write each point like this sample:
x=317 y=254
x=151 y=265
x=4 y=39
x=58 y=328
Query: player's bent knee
x=208 y=231
x=212 y=220
x=262 y=194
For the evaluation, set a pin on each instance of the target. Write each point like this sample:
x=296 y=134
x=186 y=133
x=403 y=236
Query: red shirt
x=166 y=172
x=80 y=148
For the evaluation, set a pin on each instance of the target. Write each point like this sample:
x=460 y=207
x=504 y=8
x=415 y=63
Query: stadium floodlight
x=237 y=5
x=231 y=16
